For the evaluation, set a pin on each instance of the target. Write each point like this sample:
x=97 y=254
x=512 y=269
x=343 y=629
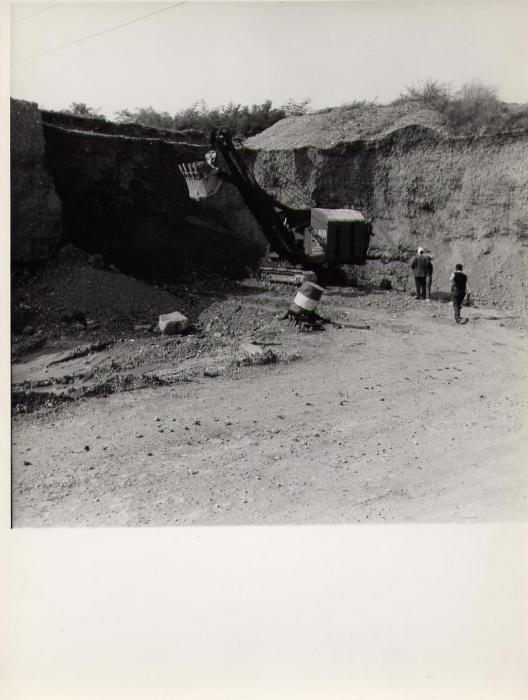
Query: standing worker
x=422 y=266
x=459 y=289
x=429 y=278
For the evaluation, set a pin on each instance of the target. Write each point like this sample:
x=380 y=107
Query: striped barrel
x=306 y=299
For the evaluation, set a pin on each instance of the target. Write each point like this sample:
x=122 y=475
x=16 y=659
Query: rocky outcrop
x=465 y=199
x=36 y=225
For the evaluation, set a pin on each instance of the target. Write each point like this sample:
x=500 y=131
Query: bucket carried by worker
x=306 y=300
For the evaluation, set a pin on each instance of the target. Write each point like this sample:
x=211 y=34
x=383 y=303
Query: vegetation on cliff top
x=473 y=109
x=243 y=120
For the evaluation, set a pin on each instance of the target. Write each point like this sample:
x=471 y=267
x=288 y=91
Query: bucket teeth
x=202 y=181
x=193 y=170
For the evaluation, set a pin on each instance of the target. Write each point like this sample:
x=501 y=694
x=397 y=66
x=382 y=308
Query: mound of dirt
x=70 y=295
x=345 y=124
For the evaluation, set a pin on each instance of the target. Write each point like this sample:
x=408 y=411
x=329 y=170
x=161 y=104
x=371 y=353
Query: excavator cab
x=341 y=236
x=202 y=177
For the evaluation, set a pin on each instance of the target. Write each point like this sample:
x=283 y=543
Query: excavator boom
x=205 y=178
x=329 y=239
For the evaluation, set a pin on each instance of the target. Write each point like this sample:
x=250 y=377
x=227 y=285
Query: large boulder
x=174 y=323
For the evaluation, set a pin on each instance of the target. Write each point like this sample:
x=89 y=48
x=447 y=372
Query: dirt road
x=415 y=419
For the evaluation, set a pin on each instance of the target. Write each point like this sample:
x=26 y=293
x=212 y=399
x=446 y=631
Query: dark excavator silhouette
x=312 y=248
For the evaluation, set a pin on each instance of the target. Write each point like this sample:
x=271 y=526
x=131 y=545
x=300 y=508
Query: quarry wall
x=118 y=191
x=36 y=217
x=463 y=199
x=124 y=197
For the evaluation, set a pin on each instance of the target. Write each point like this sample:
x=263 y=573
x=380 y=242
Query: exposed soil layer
x=391 y=414
x=464 y=199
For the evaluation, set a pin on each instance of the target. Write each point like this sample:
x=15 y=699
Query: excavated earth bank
x=36 y=226
x=124 y=198
x=464 y=199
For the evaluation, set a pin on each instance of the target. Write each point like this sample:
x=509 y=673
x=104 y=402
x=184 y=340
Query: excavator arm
x=205 y=179
x=320 y=243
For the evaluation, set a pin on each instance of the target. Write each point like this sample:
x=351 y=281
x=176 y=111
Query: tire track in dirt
x=407 y=422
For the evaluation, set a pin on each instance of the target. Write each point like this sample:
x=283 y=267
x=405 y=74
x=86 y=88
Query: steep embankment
x=36 y=228
x=124 y=197
x=465 y=199
x=115 y=189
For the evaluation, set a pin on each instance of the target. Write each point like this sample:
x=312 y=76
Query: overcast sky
x=330 y=52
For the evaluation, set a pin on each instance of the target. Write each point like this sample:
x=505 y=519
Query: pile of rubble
x=80 y=330
x=75 y=295
x=350 y=123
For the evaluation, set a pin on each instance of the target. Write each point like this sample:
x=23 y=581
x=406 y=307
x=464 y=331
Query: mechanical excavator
x=313 y=249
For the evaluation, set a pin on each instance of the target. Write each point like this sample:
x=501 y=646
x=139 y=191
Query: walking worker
x=459 y=289
x=422 y=266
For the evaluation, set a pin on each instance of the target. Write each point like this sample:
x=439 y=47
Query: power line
x=104 y=31
x=48 y=7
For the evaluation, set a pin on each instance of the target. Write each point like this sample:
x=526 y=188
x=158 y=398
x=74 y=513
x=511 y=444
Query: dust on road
x=414 y=420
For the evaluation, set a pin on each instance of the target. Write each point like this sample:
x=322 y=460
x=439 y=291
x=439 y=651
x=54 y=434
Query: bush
x=346 y=107
x=473 y=109
x=430 y=93
x=80 y=109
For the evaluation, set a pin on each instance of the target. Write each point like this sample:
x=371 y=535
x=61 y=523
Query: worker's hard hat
x=420 y=251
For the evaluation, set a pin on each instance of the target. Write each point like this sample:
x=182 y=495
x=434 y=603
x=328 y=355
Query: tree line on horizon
x=243 y=120
x=472 y=109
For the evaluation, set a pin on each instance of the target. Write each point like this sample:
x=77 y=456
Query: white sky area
x=247 y=52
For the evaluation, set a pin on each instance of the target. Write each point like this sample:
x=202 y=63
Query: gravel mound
x=69 y=295
x=344 y=124
x=69 y=286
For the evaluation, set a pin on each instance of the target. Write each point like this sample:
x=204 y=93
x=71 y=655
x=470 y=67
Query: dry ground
x=415 y=419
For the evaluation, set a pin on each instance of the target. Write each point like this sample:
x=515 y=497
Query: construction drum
x=306 y=299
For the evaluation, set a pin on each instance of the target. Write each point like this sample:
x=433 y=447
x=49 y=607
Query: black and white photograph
x=266 y=335
x=268 y=263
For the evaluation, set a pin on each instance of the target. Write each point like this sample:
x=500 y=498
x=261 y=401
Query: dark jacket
x=422 y=265
x=458 y=283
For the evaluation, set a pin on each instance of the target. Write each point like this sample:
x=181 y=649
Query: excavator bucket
x=202 y=178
